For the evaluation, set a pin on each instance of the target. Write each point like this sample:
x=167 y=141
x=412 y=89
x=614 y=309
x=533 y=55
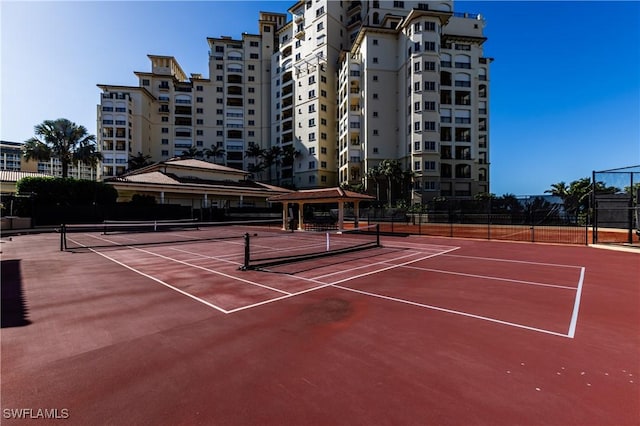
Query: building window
x=375 y=60
x=312 y=164
x=430 y=125
x=312 y=136
x=145 y=82
x=165 y=141
x=165 y=130
x=312 y=122
x=416 y=165
x=375 y=42
x=199 y=100
x=375 y=150
x=199 y=121
x=375 y=132
x=429 y=46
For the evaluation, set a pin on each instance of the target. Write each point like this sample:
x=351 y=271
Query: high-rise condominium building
x=327 y=91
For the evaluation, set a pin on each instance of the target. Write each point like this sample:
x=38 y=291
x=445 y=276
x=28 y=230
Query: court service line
x=212 y=271
x=515 y=261
x=199 y=267
x=159 y=281
x=324 y=285
x=277 y=299
x=204 y=256
x=576 y=306
x=391 y=267
x=367 y=265
x=450 y=311
x=487 y=277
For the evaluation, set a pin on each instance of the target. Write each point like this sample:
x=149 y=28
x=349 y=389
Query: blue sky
x=565 y=83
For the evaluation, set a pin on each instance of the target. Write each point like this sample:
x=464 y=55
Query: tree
x=215 y=151
x=392 y=171
x=272 y=156
x=254 y=151
x=575 y=196
x=374 y=174
x=289 y=153
x=64 y=140
x=139 y=161
x=257 y=169
x=192 y=152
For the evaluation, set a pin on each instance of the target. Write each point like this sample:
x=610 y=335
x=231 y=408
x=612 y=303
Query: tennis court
x=414 y=330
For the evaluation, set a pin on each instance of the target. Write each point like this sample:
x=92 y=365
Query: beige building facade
x=343 y=85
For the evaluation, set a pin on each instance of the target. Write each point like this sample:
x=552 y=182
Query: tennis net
x=137 y=233
x=262 y=251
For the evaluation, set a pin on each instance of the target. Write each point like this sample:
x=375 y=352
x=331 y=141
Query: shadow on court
x=13 y=307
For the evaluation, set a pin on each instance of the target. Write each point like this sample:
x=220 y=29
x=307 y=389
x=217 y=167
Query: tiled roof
x=156 y=178
x=189 y=163
x=199 y=164
x=14 y=176
x=321 y=194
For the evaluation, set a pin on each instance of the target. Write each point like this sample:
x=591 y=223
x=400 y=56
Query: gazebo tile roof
x=321 y=194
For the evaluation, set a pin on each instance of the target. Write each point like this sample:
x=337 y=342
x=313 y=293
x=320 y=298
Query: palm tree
x=215 y=151
x=272 y=157
x=289 y=153
x=64 y=140
x=139 y=161
x=392 y=171
x=575 y=196
x=192 y=152
x=257 y=169
x=374 y=174
x=254 y=151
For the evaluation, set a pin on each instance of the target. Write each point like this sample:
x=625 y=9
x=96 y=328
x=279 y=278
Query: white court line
x=515 y=261
x=576 y=306
x=392 y=266
x=264 y=302
x=450 y=311
x=200 y=267
x=204 y=256
x=324 y=285
x=159 y=281
x=211 y=270
x=365 y=266
x=487 y=277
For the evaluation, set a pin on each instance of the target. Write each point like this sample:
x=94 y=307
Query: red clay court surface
x=425 y=330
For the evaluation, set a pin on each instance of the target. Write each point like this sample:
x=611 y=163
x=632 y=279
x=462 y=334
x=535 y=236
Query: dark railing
x=563 y=230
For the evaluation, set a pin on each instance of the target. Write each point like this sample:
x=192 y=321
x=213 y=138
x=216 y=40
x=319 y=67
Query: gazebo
x=318 y=196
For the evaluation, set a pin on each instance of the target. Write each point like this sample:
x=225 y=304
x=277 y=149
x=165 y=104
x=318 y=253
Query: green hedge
x=66 y=191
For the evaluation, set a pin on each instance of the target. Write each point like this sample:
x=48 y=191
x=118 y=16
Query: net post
x=247 y=257
x=377 y=235
x=62 y=237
